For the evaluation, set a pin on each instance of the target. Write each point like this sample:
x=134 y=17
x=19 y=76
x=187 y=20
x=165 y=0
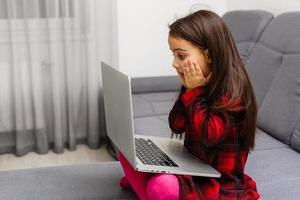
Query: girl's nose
x=175 y=65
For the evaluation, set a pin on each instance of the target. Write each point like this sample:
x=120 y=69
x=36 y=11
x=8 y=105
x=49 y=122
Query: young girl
x=216 y=109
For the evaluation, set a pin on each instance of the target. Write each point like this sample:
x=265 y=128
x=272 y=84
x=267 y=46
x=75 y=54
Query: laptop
x=144 y=153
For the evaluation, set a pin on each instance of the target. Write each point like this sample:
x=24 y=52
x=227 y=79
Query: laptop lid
x=118 y=110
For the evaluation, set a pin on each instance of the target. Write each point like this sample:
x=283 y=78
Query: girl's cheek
x=181 y=66
x=206 y=70
x=184 y=63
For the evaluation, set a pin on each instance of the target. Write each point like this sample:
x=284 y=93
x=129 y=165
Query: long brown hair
x=207 y=30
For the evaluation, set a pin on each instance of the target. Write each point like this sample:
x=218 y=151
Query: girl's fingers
x=199 y=70
x=192 y=68
x=188 y=69
x=185 y=73
x=188 y=72
x=193 y=75
x=185 y=70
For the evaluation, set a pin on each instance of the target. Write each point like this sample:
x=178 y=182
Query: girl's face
x=183 y=50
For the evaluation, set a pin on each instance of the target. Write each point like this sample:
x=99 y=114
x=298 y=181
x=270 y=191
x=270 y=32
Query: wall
x=141 y=48
x=274 y=6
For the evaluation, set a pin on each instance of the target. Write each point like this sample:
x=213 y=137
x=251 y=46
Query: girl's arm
x=177 y=115
x=200 y=116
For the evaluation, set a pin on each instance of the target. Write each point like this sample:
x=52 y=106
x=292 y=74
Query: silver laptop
x=170 y=155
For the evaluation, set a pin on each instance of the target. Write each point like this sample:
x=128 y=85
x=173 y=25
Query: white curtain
x=49 y=76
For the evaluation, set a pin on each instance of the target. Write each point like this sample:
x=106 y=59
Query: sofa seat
x=276 y=172
x=264 y=141
x=152 y=125
x=153 y=104
x=275 y=168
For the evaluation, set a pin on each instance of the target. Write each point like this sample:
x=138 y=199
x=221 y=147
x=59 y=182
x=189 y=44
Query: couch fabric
x=246 y=35
x=277 y=57
x=296 y=137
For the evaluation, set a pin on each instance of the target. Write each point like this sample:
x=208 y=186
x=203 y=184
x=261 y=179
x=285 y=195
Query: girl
x=216 y=109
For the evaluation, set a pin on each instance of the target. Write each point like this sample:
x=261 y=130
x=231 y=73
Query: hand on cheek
x=193 y=75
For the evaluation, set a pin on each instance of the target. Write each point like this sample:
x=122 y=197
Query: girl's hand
x=193 y=75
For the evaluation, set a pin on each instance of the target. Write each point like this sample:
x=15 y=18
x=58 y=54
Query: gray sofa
x=270 y=48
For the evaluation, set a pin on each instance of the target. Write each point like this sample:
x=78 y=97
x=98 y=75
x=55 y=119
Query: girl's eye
x=181 y=57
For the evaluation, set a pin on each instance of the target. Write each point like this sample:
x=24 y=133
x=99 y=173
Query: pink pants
x=150 y=186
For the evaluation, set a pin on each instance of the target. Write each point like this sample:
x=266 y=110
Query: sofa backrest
x=246 y=28
x=274 y=69
x=155 y=84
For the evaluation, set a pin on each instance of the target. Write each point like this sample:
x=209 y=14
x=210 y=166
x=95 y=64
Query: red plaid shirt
x=219 y=146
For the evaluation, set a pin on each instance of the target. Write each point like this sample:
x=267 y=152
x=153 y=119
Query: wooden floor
x=83 y=155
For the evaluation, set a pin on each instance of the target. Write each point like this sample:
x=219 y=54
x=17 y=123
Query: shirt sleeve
x=177 y=115
x=200 y=116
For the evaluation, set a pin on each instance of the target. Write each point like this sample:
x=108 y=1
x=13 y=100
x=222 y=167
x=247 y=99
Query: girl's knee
x=163 y=186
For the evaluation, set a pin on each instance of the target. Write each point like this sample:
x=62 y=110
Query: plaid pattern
x=219 y=146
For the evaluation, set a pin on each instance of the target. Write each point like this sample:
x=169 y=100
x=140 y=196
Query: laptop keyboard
x=150 y=154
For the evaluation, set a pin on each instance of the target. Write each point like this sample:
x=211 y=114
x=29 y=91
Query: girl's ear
x=207 y=56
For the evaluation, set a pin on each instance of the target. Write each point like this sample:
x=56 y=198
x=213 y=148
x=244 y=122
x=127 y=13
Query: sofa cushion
x=153 y=125
x=141 y=107
x=154 y=84
x=264 y=141
x=262 y=66
x=275 y=73
x=150 y=104
x=281 y=189
x=280 y=110
x=246 y=36
x=275 y=168
x=92 y=182
x=295 y=143
x=279 y=40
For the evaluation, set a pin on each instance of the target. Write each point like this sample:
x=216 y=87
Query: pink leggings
x=150 y=186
